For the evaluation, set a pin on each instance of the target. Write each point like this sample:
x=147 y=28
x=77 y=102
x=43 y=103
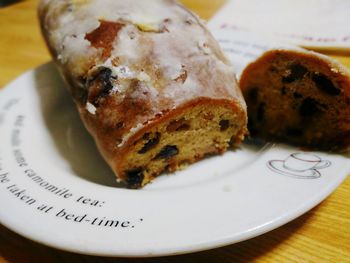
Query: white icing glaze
x=90 y=108
x=126 y=45
x=132 y=131
x=123 y=72
x=204 y=47
x=159 y=42
x=143 y=77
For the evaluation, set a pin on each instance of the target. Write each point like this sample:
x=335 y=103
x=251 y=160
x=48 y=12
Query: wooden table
x=321 y=235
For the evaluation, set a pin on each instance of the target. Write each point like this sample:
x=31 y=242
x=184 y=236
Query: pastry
x=151 y=84
x=300 y=97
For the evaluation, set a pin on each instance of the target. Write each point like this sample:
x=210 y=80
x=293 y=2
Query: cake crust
x=300 y=97
x=134 y=67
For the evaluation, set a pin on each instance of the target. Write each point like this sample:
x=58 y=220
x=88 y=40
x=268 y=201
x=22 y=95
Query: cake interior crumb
x=192 y=135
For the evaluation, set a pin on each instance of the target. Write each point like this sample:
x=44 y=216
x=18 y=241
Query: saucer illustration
x=299 y=165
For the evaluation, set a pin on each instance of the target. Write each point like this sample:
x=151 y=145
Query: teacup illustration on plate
x=299 y=165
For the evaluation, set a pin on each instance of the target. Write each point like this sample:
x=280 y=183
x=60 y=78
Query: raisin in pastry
x=299 y=97
x=150 y=83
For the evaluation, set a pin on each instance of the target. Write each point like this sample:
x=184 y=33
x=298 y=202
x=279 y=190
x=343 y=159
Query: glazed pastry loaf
x=151 y=84
x=300 y=97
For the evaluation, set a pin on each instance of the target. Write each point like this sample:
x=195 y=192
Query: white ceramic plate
x=57 y=190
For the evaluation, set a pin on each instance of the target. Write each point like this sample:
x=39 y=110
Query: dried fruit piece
x=224 y=125
x=105 y=76
x=167 y=152
x=120 y=125
x=284 y=90
x=151 y=143
x=100 y=84
x=309 y=107
x=325 y=84
x=297 y=95
x=178 y=125
x=296 y=72
x=134 y=178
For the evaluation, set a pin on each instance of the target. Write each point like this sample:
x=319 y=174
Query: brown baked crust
x=299 y=97
x=128 y=76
